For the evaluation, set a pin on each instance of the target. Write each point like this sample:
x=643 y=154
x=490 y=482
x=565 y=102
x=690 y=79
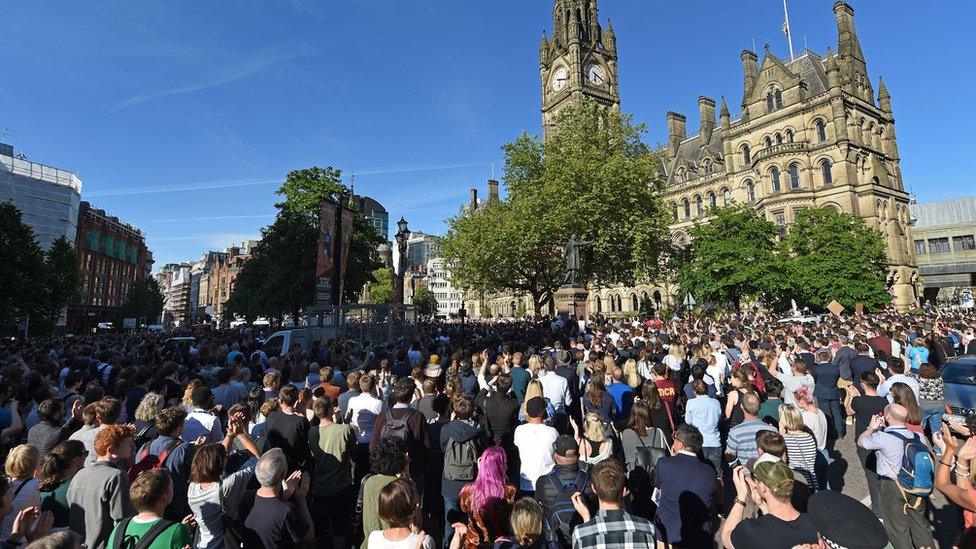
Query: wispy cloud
x=252 y=65
x=209 y=218
x=232 y=183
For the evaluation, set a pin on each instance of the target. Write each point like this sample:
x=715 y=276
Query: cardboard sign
x=835 y=308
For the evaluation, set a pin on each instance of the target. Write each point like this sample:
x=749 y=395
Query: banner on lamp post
x=325 y=262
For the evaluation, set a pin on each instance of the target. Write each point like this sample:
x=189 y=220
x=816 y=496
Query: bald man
x=906 y=525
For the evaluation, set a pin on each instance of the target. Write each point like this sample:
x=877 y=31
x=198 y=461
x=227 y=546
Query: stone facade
x=809 y=133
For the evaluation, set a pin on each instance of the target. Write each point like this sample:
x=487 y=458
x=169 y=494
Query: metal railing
x=378 y=324
x=36 y=170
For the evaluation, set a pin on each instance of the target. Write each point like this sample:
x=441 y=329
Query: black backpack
x=396 y=428
x=121 y=542
x=563 y=517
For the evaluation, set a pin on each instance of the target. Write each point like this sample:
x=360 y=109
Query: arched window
x=789 y=136
x=712 y=201
x=698 y=205
x=821 y=130
x=620 y=304
x=750 y=191
x=634 y=304
x=599 y=304
x=825 y=172
x=779 y=139
x=687 y=208
x=709 y=167
x=726 y=196
x=769 y=102
x=794 y=176
x=774 y=175
x=768 y=141
x=746 y=159
x=778 y=97
x=683 y=176
x=657 y=298
x=675 y=212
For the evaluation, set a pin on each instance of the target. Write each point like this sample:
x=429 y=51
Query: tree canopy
x=425 y=301
x=382 y=289
x=145 y=300
x=22 y=272
x=593 y=178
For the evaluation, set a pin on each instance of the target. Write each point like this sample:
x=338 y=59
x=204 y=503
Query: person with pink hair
x=487 y=501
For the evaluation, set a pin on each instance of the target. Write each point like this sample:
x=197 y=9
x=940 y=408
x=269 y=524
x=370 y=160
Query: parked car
x=959 y=382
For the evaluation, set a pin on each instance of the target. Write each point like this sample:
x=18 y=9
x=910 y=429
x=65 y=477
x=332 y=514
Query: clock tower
x=579 y=60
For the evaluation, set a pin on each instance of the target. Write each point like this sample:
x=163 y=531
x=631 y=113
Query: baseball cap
x=777 y=476
x=565 y=446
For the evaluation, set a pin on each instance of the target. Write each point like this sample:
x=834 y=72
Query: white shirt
x=884 y=390
x=817 y=422
x=378 y=541
x=534 y=443
x=200 y=422
x=672 y=362
x=556 y=389
x=792 y=383
x=365 y=408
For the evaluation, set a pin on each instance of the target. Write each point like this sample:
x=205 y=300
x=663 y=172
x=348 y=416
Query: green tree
x=304 y=190
x=145 y=300
x=382 y=290
x=592 y=178
x=731 y=258
x=62 y=283
x=425 y=301
x=22 y=273
x=836 y=256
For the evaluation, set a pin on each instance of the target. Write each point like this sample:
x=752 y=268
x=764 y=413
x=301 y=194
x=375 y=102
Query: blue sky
x=181 y=116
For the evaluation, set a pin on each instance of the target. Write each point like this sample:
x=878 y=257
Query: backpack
x=562 y=516
x=120 y=542
x=396 y=428
x=917 y=472
x=460 y=460
x=145 y=461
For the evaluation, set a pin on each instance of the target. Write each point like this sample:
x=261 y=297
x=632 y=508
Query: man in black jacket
x=499 y=411
x=460 y=430
x=863 y=362
x=828 y=395
x=555 y=489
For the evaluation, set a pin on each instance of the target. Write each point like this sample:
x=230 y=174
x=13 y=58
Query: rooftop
x=35 y=170
x=956 y=211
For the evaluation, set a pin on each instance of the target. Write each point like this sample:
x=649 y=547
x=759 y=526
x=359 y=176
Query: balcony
x=781 y=148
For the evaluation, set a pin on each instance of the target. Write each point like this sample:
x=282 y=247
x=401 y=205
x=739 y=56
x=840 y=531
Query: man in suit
x=828 y=394
x=863 y=362
x=843 y=357
x=804 y=354
x=687 y=493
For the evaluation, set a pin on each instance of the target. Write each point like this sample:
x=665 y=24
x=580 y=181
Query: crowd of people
x=596 y=433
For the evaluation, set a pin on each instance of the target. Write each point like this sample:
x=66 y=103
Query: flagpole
x=787 y=29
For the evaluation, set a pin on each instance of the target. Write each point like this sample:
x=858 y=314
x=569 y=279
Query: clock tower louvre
x=580 y=60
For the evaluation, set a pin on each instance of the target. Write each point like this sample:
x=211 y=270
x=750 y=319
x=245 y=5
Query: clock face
x=595 y=75
x=560 y=78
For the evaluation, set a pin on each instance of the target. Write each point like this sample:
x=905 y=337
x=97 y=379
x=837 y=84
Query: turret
x=853 y=69
x=724 y=118
x=594 y=24
x=610 y=38
x=884 y=98
x=544 y=47
x=750 y=71
x=676 y=131
x=492 y=191
x=833 y=72
x=706 y=116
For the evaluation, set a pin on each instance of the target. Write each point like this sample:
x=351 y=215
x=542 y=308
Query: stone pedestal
x=571 y=300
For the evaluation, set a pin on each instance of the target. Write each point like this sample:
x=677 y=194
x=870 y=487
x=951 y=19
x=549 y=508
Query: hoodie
x=460 y=431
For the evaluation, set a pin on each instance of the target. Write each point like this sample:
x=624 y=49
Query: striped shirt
x=802 y=451
x=742 y=439
x=614 y=529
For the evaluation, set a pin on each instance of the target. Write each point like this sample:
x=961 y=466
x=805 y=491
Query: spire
x=594 y=23
x=610 y=38
x=573 y=32
x=884 y=98
x=724 y=116
x=830 y=66
x=853 y=69
x=543 y=46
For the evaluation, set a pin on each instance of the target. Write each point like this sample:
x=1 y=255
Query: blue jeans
x=713 y=455
x=452 y=514
x=932 y=418
x=835 y=416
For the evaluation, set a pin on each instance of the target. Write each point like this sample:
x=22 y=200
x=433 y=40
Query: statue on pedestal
x=571 y=254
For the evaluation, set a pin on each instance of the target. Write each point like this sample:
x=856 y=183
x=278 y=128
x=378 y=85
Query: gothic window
x=676 y=212
x=687 y=207
x=789 y=136
x=745 y=155
x=620 y=304
x=794 y=176
x=726 y=196
x=683 y=176
x=634 y=304
x=774 y=176
x=769 y=102
x=699 y=210
x=825 y=172
x=599 y=304
x=779 y=139
x=712 y=200
x=768 y=141
x=778 y=99
x=821 y=127
x=709 y=167
x=750 y=191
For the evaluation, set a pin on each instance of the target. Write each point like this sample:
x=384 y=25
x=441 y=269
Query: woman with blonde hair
x=630 y=374
x=188 y=393
x=535 y=365
x=676 y=355
x=801 y=446
x=145 y=415
x=20 y=466
x=526 y=524
x=534 y=389
x=594 y=446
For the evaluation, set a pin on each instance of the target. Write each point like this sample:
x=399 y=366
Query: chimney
x=750 y=71
x=706 y=114
x=492 y=190
x=676 y=131
x=474 y=199
x=233 y=252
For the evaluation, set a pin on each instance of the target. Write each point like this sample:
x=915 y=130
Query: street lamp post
x=402 y=235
